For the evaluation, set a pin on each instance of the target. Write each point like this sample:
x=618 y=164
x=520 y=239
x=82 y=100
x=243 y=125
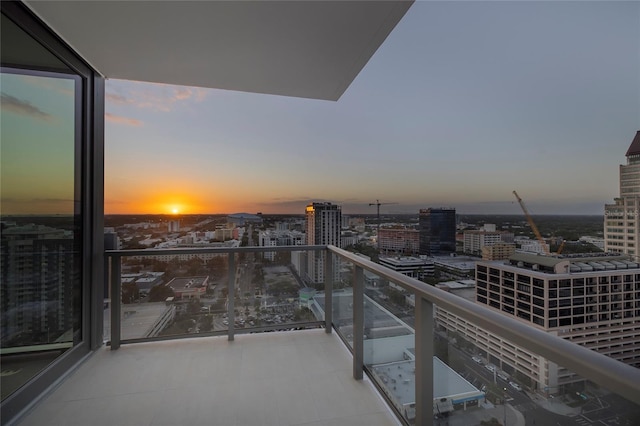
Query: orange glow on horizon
x=179 y=197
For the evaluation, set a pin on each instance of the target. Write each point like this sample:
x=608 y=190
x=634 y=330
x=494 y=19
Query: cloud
x=18 y=106
x=157 y=97
x=61 y=86
x=117 y=99
x=117 y=119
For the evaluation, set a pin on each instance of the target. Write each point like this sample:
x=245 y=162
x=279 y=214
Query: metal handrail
x=601 y=369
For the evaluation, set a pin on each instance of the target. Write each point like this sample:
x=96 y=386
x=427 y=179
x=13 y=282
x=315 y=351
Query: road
x=533 y=413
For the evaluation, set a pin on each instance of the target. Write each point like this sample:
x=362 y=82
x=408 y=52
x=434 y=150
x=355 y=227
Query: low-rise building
x=274 y=238
x=399 y=241
x=474 y=241
x=498 y=251
x=414 y=267
x=189 y=287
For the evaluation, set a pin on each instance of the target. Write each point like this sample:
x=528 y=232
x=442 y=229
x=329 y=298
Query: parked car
x=515 y=386
x=477 y=359
x=490 y=367
x=503 y=375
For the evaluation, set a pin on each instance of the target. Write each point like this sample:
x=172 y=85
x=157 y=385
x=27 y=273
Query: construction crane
x=378 y=204
x=532 y=224
x=561 y=247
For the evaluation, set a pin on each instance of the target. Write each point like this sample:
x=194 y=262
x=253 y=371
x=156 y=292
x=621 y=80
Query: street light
x=504 y=404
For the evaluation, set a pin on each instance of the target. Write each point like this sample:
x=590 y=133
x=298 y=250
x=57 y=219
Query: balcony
x=246 y=368
x=281 y=378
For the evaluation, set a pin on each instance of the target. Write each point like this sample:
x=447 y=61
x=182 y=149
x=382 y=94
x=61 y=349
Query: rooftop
x=578 y=262
x=399 y=379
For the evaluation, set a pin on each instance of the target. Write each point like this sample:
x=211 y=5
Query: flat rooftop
x=399 y=379
x=187 y=282
x=461 y=263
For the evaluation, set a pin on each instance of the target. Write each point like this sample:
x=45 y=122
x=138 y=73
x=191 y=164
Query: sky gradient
x=463 y=103
x=38 y=145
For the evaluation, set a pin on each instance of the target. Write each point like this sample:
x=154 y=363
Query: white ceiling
x=302 y=48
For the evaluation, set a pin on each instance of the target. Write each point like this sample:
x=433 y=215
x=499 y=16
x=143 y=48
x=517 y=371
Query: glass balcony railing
x=481 y=364
x=182 y=293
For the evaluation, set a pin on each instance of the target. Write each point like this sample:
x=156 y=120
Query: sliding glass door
x=49 y=189
x=41 y=234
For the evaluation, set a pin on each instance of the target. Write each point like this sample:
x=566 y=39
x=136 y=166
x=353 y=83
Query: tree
x=160 y=293
x=194 y=266
x=130 y=292
x=206 y=323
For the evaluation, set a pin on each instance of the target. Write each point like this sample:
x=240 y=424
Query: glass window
x=40 y=240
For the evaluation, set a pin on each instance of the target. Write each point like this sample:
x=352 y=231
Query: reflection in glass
x=40 y=242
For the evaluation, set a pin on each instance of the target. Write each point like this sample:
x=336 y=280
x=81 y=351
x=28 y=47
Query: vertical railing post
x=231 y=295
x=116 y=300
x=424 y=361
x=358 y=322
x=328 y=291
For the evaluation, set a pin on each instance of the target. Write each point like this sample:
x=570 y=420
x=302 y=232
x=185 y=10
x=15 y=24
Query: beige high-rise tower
x=323 y=226
x=621 y=221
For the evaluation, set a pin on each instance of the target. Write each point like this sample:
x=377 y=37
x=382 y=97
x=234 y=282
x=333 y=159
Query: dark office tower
x=437 y=231
x=323 y=226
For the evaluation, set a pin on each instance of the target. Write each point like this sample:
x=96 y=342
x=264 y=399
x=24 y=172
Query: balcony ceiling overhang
x=309 y=49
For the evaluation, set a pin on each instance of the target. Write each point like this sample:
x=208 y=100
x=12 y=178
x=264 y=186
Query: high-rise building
x=323 y=226
x=621 y=225
x=437 y=231
x=590 y=299
x=39 y=268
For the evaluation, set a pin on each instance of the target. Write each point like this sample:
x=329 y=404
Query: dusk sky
x=463 y=103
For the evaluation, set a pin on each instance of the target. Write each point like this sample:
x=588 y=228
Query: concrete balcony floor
x=284 y=378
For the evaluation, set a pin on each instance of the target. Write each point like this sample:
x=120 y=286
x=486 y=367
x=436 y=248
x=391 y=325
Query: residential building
x=621 y=224
x=498 y=251
x=348 y=238
x=437 y=229
x=476 y=240
x=37 y=311
x=280 y=238
x=323 y=227
x=399 y=241
x=590 y=299
x=173 y=226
